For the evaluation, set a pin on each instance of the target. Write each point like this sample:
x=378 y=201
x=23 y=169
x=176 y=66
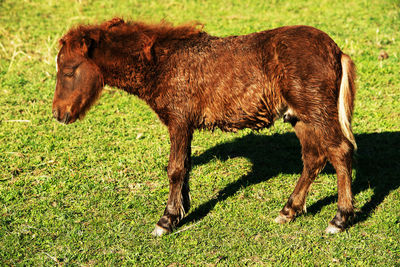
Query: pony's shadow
x=377 y=167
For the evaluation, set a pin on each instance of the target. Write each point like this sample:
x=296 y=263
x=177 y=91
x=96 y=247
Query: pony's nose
x=66 y=118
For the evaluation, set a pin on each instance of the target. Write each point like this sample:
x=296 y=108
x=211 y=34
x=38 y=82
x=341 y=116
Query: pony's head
x=79 y=79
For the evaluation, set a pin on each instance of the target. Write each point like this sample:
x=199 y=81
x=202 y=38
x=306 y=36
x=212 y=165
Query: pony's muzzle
x=65 y=119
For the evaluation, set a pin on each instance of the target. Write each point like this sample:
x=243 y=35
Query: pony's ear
x=148 y=50
x=112 y=23
x=89 y=40
x=62 y=41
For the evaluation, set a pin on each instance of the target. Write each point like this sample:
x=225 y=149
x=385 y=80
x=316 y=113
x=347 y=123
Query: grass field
x=90 y=193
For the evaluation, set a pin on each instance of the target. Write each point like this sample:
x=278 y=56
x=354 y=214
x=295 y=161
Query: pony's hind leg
x=341 y=157
x=318 y=146
x=314 y=161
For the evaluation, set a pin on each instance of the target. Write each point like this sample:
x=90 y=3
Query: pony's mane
x=151 y=33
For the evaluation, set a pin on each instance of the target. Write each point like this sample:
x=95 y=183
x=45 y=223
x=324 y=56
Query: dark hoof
x=281 y=219
x=159 y=231
x=166 y=225
x=333 y=229
x=289 y=213
x=339 y=223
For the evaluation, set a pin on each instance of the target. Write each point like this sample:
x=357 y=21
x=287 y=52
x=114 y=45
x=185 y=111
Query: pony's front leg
x=178 y=173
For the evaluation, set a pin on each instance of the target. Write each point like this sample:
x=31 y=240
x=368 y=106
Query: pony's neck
x=126 y=54
x=124 y=68
x=126 y=73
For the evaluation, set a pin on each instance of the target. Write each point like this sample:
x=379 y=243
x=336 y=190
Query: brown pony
x=193 y=80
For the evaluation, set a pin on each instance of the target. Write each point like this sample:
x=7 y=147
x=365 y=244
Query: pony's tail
x=346 y=98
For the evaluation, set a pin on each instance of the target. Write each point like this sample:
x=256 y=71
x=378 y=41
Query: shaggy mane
x=158 y=32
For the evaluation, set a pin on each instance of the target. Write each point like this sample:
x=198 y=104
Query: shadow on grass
x=377 y=167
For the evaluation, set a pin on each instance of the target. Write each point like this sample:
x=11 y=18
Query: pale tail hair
x=346 y=98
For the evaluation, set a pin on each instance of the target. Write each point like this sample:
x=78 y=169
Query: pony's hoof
x=159 y=231
x=332 y=229
x=281 y=219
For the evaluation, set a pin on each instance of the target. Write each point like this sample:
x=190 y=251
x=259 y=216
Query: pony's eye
x=68 y=72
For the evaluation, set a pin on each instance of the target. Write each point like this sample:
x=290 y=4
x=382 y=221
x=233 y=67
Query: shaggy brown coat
x=193 y=80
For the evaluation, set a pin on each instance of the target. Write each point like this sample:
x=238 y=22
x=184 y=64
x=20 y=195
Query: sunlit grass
x=90 y=193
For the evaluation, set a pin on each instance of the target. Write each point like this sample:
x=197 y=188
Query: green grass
x=90 y=193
